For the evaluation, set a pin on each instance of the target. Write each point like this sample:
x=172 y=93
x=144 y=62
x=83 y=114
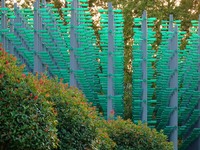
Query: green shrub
x=79 y=126
x=129 y=136
x=27 y=120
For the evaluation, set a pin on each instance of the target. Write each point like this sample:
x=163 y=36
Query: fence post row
x=144 y=67
x=110 y=89
x=173 y=83
x=73 y=43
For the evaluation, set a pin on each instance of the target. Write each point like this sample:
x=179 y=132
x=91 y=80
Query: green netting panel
x=137 y=70
x=194 y=135
x=163 y=75
x=87 y=51
x=103 y=59
x=118 y=55
x=188 y=82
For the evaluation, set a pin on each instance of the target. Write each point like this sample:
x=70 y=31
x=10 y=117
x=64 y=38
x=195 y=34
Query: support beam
x=73 y=44
x=16 y=20
x=110 y=89
x=173 y=83
x=38 y=67
x=3 y=24
x=144 y=67
x=11 y=47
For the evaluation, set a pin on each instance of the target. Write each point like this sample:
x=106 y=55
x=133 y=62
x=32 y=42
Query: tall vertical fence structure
x=67 y=48
x=170 y=100
x=111 y=59
x=189 y=94
x=143 y=57
x=166 y=82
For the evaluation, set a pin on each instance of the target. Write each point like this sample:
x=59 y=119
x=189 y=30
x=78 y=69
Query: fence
x=166 y=83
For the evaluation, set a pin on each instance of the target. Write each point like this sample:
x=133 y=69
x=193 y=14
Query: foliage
x=79 y=126
x=128 y=136
x=27 y=120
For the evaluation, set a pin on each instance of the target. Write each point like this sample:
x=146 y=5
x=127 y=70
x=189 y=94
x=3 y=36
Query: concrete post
x=110 y=89
x=173 y=65
x=73 y=44
x=38 y=67
x=3 y=24
x=144 y=67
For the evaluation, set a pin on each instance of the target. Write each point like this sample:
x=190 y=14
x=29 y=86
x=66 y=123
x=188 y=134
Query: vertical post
x=16 y=13
x=3 y=24
x=38 y=67
x=110 y=89
x=173 y=84
x=171 y=19
x=144 y=67
x=40 y=26
x=73 y=44
x=11 y=47
x=16 y=20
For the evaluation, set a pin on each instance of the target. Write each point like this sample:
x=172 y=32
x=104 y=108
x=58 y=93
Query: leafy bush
x=26 y=118
x=30 y=107
x=129 y=136
x=79 y=126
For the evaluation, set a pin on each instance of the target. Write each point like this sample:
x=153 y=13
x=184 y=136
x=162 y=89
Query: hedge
x=129 y=136
x=79 y=125
x=27 y=120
